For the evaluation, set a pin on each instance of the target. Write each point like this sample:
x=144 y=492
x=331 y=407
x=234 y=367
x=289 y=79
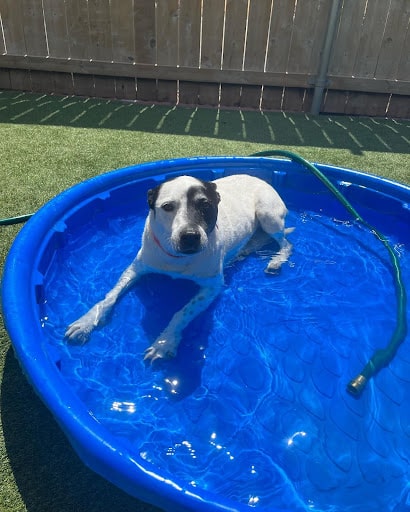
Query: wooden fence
x=235 y=53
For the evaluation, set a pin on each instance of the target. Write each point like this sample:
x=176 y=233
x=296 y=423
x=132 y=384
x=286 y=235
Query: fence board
x=280 y=35
x=394 y=40
x=209 y=94
x=399 y=106
x=345 y=46
x=78 y=29
x=100 y=30
x=125 y=89
x=370 y=38
x=2 y=42
x=258 y=32
x=334 y=102
x=211 y=48
x=63 y=83
x=309 y=29
x=146 y=90
x=122 y=30
x=251 y=96
x=234 y=45
x=104 y=86
x=83 y=85
x=212 y=30
x=20 y=79
x=167 y=32
x=12 y=19
x=403 y=71
x=56 y=28
x=42 y=82
x=234 y=40
x=272 y=98
x=144 y=32
x=5 y=82
x=189 y=33
x=359 y=103
x=34 y=31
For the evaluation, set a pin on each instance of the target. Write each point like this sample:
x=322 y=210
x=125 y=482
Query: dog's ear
x=212 y=192
x=152 y=196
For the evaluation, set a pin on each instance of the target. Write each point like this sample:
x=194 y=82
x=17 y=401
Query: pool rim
x=94 y=444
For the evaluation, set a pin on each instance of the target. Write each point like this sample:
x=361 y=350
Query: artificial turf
x=48 y=143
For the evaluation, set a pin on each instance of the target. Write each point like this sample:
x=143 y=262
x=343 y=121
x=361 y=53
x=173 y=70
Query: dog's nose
x=190 y=241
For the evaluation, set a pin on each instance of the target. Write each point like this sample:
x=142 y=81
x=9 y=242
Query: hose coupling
x=356 y=385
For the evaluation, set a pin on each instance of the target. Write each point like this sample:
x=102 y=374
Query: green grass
x=50 y=143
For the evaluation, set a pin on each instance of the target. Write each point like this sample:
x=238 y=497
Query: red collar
x=160 y=246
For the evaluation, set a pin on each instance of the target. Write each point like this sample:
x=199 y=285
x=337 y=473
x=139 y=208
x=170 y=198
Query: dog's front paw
x=161 y=349
x=79 y=332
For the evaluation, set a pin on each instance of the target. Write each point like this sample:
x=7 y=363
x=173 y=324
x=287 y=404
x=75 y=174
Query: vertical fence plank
x=399 y=106
x=42 y=82
x=167 y=32
x=373 y=104
x=345 y=46
x=100 y=30
x=125 y=89
x=5 y=82
x=144 y=32
x=256 y=48
x=78 y=29
x=334 y=102
x=63 y=83
x=2 y=41
x=308 y=34
x=34 y=32
x=280 y=35
x=20 y=79
x=394 y=40
x=56 y=28
x=403 y=70
x=167 y=18
x=12 y=19
x=257 y=38
x=234 y=46
x=189 y=46
x=189 y=33
x=212 y=33
x=234 y=41
x=370 y=38
x=122 y=30
x=211 y=47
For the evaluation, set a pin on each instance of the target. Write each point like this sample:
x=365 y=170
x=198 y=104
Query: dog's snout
x=190 y=241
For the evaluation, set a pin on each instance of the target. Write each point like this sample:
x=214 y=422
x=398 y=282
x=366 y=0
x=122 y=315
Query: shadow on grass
x=357 y=134
x=49 y=474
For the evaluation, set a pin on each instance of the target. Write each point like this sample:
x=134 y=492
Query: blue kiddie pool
x=253 y=412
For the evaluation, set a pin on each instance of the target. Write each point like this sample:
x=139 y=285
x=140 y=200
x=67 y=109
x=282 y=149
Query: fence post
x=321 y=79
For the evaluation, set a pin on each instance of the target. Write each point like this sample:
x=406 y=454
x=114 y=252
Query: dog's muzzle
x=190 y=241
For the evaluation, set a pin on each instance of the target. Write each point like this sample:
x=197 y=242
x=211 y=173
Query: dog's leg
x=281 y=256
x=80 y=330
x=166 y=345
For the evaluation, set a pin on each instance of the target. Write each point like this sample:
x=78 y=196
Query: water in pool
x=254 y=405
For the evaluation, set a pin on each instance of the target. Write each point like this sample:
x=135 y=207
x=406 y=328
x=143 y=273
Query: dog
x=193 y=229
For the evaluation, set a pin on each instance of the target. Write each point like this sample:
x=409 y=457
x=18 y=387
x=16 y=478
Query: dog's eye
x=168 y=207
x=203 y=203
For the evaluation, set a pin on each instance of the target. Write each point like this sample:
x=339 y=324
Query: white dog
x=193 y=229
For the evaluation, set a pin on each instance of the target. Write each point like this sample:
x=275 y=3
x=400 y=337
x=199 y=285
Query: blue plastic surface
x=381 y=202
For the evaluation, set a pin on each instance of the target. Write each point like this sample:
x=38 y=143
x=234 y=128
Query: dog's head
x=183 y=212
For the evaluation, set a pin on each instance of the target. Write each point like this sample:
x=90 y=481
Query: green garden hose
x=15 y=220
x=381 y=357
